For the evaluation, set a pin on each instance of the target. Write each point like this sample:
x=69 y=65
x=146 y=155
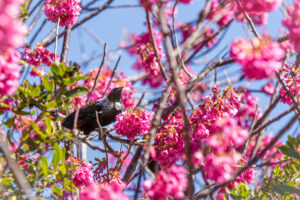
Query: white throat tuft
x=118 y=106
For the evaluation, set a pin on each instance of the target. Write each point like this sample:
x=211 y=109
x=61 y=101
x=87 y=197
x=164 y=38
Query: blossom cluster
x=260 y=6
x=222 y=161
x=83 y=175
x=147 y=61
x=247 y=110
x=39 y=55
x=223 y=12
x=101 y=191
x=169 y=142
x=119 y=80
x=259 y=58
x=133 y=121
x=215 y=106
x=292 y=81
x=246 y=177
x=216 y=127
x=12 y=32
x=291 y=23
x=171 y=182
x=9 y=70
x=66 y=11
x=12 y=29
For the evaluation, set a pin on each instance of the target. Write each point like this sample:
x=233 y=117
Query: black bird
x=107 y=109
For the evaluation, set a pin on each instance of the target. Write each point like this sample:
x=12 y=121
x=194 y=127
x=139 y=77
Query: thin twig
x=56 y=39
x=249 y=20
x=98 y=73
x=65 y=49
x=154 y=45
x=112 y=75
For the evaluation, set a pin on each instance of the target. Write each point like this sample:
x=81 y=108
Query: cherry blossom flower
x=133 y=121
x=141 y=46
x=65 y=10
x=83 y=175
x=171 y=182
x=260 y=5
x=259 y=58
x=100 y=191
x=12 y=29
x=268 y=88
x=292 y=82
x=169 y=142
x=9 y=72
x=223 y=13
x=39 y=55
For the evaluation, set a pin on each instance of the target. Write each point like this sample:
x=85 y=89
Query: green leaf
x=26 y=147
x=44 y=165
x=63 y=154
x=35 y=92
x=36 y=128
x=48 y=84
x=48 y=126
x=67 y=181
x=56 y=157
x=50 y=104
x=290 y=151
x=21 y=112
x=56 y=70
x=63 y=169
x=77 y=92
x=285 y=189
x=57 y=190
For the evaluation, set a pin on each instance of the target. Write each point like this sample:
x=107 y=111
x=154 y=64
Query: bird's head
x=115 y=95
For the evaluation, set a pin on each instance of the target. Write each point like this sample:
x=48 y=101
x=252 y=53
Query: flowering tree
x=203 y=135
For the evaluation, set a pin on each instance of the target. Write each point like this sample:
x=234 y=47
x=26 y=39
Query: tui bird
x=107 y=109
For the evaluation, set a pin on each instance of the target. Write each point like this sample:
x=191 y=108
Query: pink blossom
x=171 y=182
x=260 y=5
x=141 y=46
x=9 y=72
x=220 y=168
x=169 y=142
x=83 y=175
x=293 y=84
x=12 y=32
x=291 y=22
x=39 y=55
x=186 y=1
x=268 y=88
x=7 y=104
x=133 y=121
x=66 y=10
x=225 y=135
x=12 y=29
x=223 y=13
x=246 y=113
x=39 y=72
x=259 y=58
x=96 y=191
